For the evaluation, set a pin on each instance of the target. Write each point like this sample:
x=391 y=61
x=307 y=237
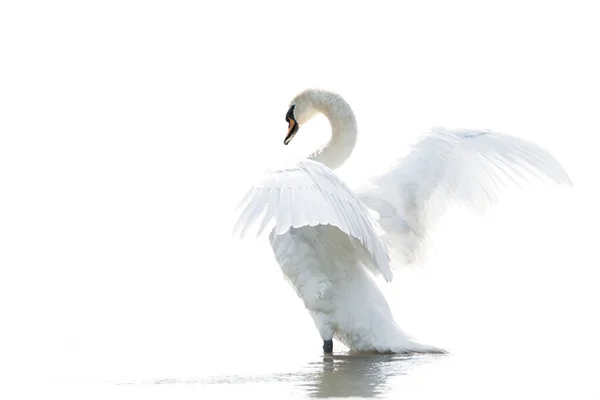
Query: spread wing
x=309 y=194
x=446 y=167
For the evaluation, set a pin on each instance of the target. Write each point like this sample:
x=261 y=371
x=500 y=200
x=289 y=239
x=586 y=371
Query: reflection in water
x=341 y=375
x=356 y=375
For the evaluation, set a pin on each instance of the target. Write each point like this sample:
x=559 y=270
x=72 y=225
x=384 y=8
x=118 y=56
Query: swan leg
x=328 y=346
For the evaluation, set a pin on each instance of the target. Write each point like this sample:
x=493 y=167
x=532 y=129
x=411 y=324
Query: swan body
x=332 y=242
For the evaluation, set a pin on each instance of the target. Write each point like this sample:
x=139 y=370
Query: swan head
x=302 y=109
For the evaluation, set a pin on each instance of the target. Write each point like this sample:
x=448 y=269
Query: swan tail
x=416 y=347
x=402 y=344
x=388 y=338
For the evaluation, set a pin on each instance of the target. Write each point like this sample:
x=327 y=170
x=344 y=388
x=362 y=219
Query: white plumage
x=446 y=167
x=331 y=241
x=310 y=194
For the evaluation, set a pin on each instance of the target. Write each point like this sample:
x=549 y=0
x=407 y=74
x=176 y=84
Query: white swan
x=327 y=240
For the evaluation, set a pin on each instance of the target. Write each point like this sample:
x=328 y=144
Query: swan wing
x=308 y=193
x=444 y=167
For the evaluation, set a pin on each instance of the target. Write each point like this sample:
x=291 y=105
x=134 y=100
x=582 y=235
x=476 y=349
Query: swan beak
x=292 y=129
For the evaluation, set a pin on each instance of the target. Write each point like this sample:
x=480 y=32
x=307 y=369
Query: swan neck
x=343 y=132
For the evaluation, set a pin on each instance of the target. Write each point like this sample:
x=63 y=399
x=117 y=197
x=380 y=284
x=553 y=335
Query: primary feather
x=463 y=167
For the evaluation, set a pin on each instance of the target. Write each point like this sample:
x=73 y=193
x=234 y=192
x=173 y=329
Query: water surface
x=344 y=375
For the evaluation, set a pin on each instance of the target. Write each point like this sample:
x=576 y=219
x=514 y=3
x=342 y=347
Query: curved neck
x=343 y=130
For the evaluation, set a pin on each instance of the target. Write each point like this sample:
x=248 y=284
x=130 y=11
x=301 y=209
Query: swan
x=332 y=242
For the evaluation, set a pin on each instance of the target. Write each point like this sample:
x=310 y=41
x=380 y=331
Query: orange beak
x=292 y=129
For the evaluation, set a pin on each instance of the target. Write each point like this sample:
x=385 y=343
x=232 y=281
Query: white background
x=129 y=130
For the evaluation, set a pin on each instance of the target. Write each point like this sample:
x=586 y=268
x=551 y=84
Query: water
x=340 y=375
x=410 y=377
x=485 y=374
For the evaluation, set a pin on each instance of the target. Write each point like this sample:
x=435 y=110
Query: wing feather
x=271 y=209
x=447 y=167
x=311 y=208
x=309 y=194
x=254 y=206
x=284 y=219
